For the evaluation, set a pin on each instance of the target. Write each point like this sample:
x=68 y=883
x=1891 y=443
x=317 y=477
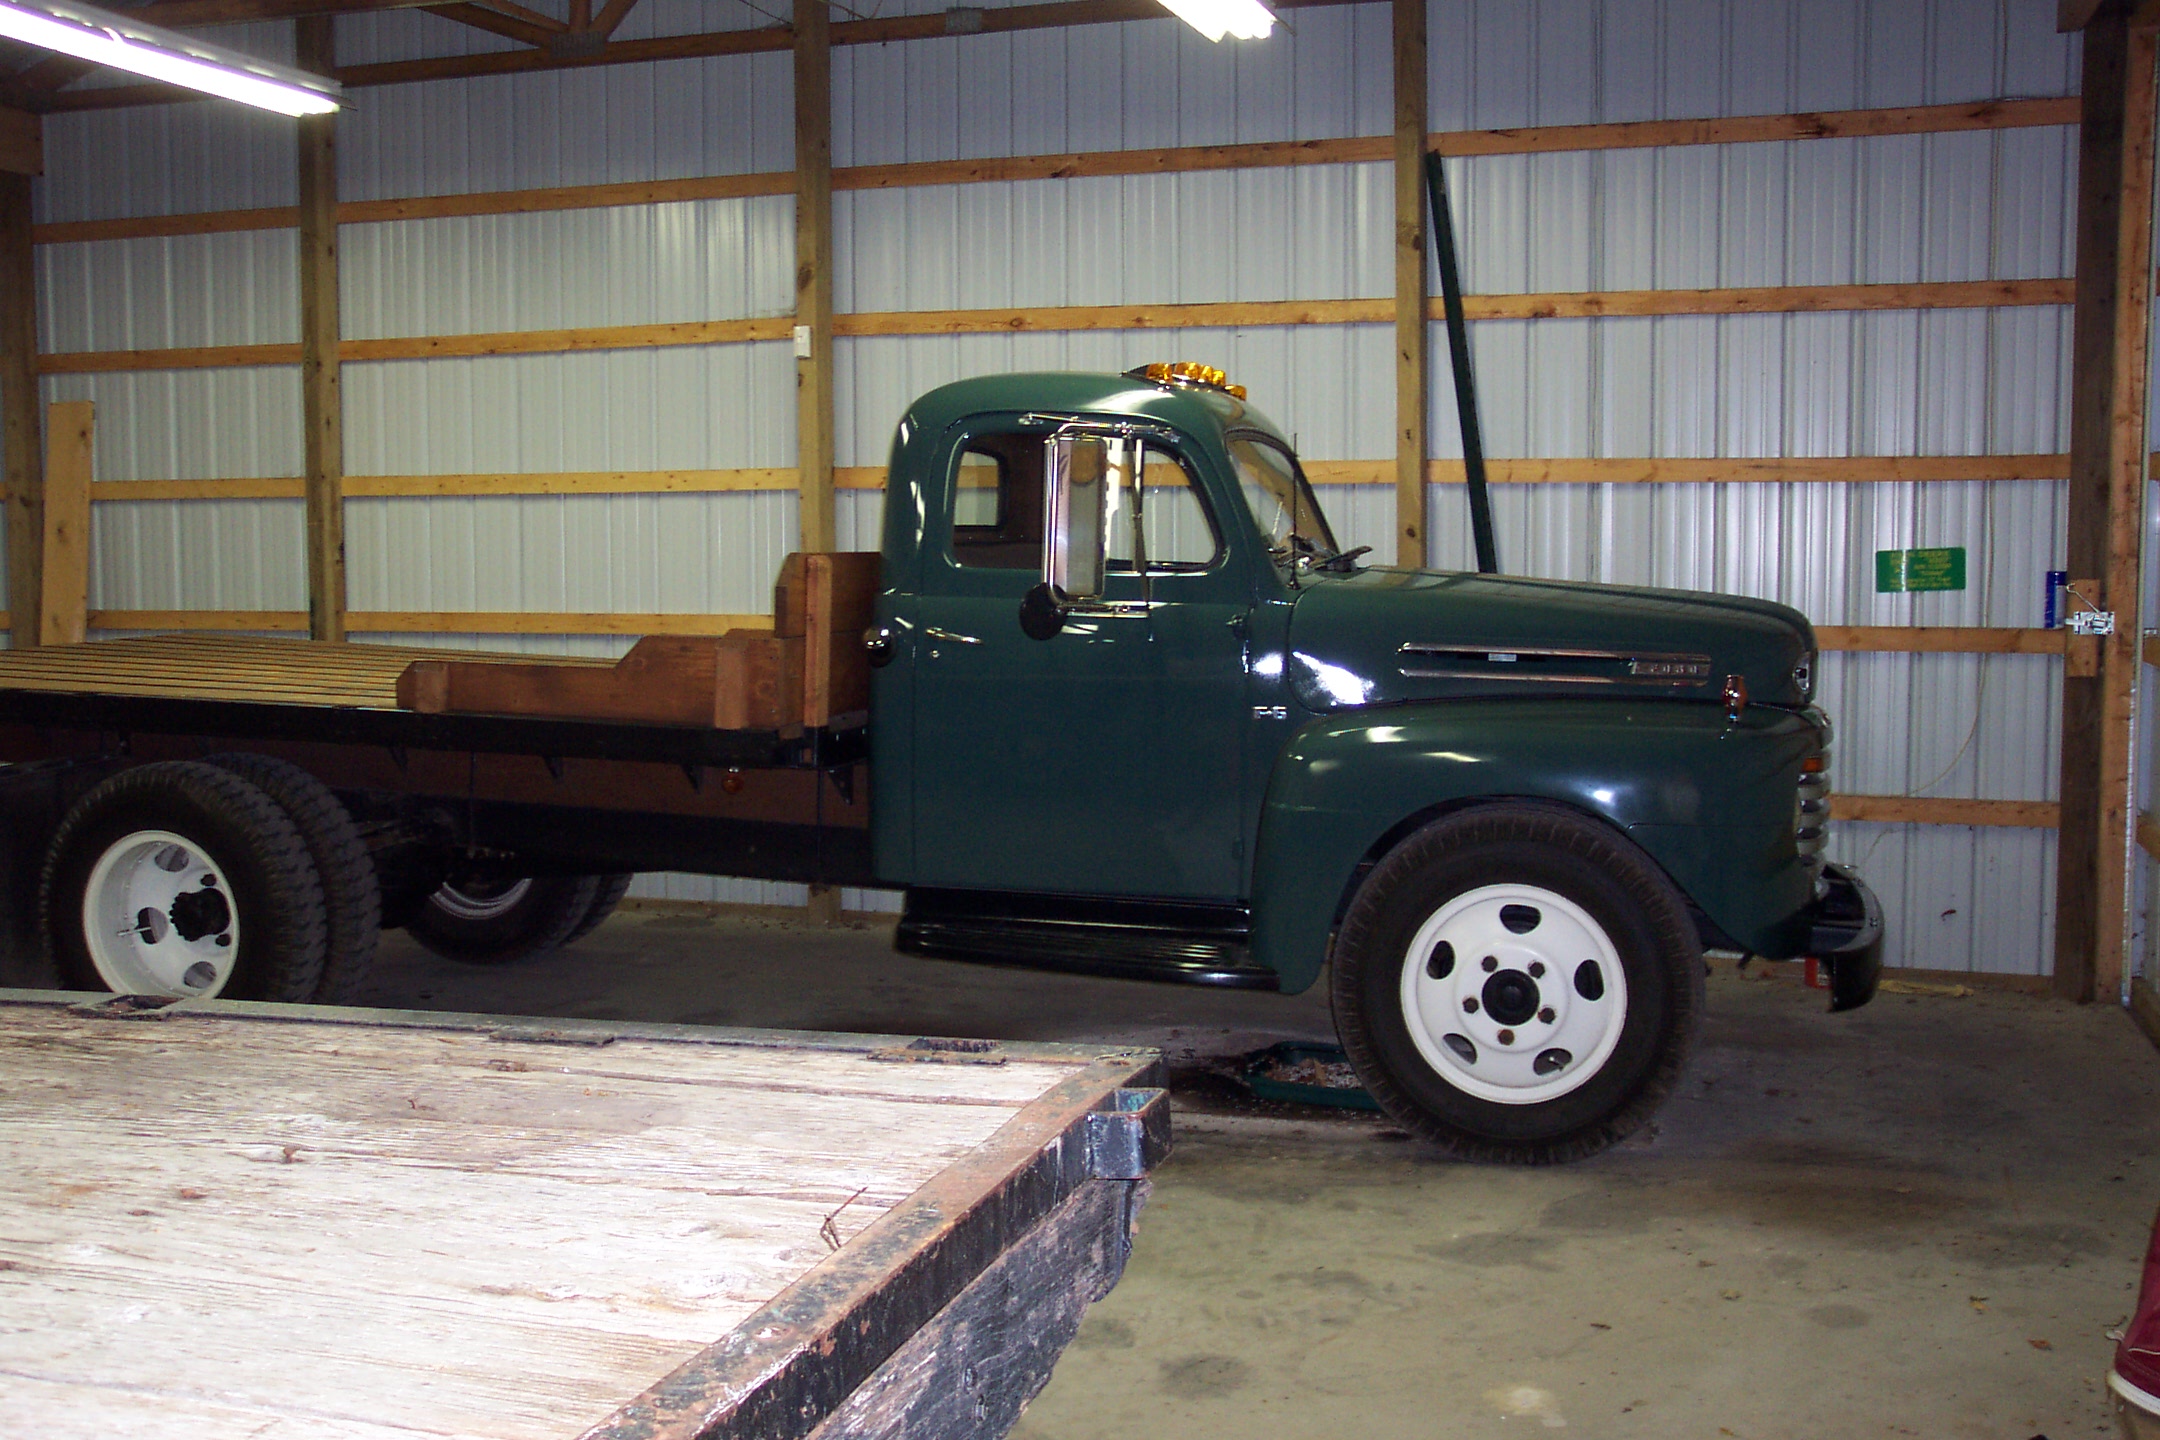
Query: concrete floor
x=1920 y=1219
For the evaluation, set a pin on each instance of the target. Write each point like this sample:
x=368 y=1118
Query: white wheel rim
x=158 y=917
x=1507 y=1011
x=482 y=903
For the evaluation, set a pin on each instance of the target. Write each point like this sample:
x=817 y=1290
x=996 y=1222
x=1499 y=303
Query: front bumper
x=1845 y=936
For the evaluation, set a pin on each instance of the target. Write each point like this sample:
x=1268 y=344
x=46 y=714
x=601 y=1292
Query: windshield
x=1281 y=501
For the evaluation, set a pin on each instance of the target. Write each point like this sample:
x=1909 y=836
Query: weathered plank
x=969 y=1373
x=64 y=560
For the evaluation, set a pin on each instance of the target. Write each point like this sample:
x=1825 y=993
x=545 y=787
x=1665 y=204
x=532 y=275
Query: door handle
x=936 y=633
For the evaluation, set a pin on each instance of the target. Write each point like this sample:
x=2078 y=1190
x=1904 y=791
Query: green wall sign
x=1940 y=569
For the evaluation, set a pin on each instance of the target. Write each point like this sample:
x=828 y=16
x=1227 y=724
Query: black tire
x=234 y=840
x=605 y=899
x=495 y=922
x=1497 y=1083
x=352 y=901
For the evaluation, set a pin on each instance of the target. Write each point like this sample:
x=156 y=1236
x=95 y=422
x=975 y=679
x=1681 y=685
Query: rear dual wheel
x=494 y=921
x=183 y=880
x=1517 y=983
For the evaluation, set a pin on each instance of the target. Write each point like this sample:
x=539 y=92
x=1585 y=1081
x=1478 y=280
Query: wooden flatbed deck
x=248 y=668
x=222 y=1219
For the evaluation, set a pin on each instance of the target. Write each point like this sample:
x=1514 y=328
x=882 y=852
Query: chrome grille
x=1811 y=818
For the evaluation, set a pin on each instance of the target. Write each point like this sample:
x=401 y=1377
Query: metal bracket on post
x=1458 y=332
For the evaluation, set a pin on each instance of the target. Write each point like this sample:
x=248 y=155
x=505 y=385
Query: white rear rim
x=158 y=917
x=481 y=899
x=1512 y=993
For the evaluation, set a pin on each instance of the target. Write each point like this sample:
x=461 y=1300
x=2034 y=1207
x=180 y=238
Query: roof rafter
x=1056 y=14
x=527 y=26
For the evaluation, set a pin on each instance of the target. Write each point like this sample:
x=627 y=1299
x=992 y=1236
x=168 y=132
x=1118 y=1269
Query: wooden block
x=855 y=581
x=848 y=682
x=425 y=687
x=817 y=639
x=64 y=604
x=757 y=684
x=742 y=680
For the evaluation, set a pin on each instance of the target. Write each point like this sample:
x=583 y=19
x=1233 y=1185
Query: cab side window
x=998 y=506
x=998 y=503
x=1178 y=532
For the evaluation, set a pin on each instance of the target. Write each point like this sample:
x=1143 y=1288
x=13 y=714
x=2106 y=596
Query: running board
x=1184 y=942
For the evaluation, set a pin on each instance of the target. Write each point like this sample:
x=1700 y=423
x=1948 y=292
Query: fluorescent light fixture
x=1246 y=19
x=107 y=38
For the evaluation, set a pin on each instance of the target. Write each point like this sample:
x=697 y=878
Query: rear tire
x=605 y=899
x=495 y=922
x=182 y=880
x=351 y=899
x=1517 y=983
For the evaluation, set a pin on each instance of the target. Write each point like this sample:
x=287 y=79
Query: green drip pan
x=1302 y=1073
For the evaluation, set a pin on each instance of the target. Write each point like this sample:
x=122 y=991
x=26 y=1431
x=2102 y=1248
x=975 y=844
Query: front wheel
x=1517 y=983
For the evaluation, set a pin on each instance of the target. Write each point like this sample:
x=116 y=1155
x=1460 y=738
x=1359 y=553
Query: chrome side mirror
x=1076 y=469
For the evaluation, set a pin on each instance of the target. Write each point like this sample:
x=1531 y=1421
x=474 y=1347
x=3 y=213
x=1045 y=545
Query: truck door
x=1103 y=758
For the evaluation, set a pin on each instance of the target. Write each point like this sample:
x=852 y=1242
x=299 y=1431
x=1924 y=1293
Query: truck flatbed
x=237 y=668
x=221 y=1218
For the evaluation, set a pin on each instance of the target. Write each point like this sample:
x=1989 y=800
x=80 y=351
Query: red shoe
x=2135 y=1378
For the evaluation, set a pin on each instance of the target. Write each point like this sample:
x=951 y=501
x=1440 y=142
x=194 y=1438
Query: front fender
x=1711 y=800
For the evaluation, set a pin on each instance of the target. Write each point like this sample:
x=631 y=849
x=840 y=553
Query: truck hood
x=1383 y=636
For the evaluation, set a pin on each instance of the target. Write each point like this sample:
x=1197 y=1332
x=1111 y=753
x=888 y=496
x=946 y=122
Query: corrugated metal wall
x=1992 y=204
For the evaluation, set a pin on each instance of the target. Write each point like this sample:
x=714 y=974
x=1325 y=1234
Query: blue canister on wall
x=2057 y=582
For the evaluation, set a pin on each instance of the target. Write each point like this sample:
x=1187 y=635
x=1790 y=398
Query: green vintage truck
x=1113 y=699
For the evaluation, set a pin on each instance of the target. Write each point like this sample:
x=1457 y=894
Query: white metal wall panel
x=1990 y=204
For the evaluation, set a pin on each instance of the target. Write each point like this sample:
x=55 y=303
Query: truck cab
x=1137 y=712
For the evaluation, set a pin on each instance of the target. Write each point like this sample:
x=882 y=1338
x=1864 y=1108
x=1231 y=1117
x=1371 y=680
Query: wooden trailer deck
x=223 y=1219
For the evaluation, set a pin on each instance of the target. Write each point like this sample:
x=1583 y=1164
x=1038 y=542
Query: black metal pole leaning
x=1473 y=438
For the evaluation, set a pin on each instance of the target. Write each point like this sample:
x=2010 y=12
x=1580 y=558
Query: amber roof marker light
x=1189 y=373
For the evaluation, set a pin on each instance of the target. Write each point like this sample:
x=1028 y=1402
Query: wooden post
x=2107 y=483
x=813 y=271
x=19 y=410
x=321 y=401
x=814 y=307
x=1410 y=267
x=63 y=608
